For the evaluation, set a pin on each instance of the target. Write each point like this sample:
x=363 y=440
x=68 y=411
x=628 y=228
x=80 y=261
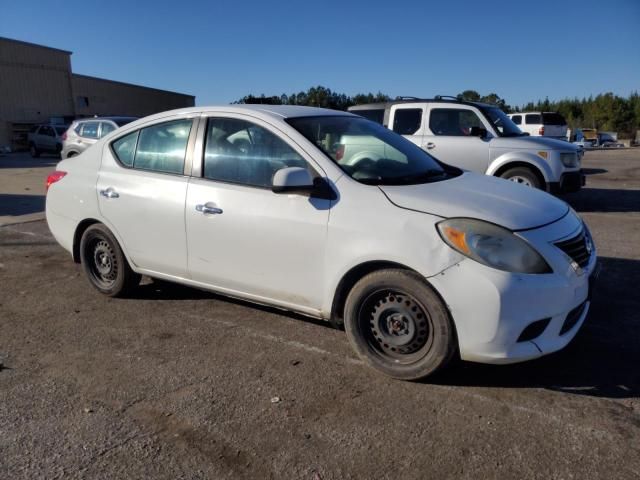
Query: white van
x=541 y=124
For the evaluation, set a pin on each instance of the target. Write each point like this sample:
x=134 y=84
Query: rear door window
x=407 y=121
x=533 y=119
x=89 y=130
x=162 y=147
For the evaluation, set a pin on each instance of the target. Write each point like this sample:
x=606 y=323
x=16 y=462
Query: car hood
x=470 y=195
x=532 y=143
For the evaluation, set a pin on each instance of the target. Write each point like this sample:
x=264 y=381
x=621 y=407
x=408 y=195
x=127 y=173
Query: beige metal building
x=37 y=85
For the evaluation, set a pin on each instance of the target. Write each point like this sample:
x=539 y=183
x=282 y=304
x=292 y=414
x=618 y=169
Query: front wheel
x=522 y=175
x=104 y=263
x=397 y=323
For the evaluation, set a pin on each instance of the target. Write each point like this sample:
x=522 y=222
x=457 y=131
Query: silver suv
x=84 y=133
x=45 y=139
x=481 y=138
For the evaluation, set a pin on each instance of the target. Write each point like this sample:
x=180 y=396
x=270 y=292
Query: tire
x=104 y=263
x=522 y=175
x=35 y=153
x=398 y=325
x=71 y=154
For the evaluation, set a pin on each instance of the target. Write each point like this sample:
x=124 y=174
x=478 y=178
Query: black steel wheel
x=104 y=263
x=399 y=325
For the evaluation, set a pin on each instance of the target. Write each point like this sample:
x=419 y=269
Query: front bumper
x=491 y=309
x=569 y=182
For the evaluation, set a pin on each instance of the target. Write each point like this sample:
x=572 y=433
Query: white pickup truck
x=481 y=138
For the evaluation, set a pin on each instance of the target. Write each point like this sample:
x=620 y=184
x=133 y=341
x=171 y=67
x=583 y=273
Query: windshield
x=501 y=122
x=369 y=152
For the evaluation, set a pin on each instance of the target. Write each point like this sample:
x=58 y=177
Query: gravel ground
x=179 y=383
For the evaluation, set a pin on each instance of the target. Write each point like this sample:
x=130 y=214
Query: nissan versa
x=421 y=261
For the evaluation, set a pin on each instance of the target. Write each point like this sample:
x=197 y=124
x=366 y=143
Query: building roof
x=78 y=75
x=20 y=42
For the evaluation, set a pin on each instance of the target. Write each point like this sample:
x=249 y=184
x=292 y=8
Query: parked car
x=541 y=124
x=420 y=260
x=481 y=138
x=45 y=139
x=84 y=133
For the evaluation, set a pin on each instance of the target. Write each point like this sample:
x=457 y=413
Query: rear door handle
x=210 y=208
x=109 y=193
x=431 y=145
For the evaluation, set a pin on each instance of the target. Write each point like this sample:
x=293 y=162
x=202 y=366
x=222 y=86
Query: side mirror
x=478 y=132
x=292 y=180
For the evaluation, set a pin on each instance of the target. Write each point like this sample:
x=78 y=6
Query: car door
x=242 y=237
x=142 y=188
x=448 y=137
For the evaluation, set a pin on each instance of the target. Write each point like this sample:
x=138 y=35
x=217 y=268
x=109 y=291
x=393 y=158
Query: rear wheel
x=522 y=175
x=34 y=151
x=399 y=325
x=104 y=263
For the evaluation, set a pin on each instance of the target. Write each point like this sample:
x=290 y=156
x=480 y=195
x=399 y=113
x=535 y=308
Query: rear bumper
x=569 y=182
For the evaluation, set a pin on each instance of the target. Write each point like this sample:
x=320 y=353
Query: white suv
x=541 y=124
x=481 y=138
x=420 y=260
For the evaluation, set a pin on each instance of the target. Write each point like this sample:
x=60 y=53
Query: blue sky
x=221 y=50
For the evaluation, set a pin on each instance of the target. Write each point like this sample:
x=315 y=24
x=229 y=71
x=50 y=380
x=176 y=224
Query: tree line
x=605 y=111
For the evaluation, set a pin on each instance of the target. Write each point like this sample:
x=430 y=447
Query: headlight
x=569 y=159
x=491 y=245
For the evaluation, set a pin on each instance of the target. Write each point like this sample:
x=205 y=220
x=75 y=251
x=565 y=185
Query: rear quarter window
x=375 y=115
x=125 y=148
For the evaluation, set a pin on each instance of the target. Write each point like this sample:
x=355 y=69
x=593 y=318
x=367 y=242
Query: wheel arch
x=528 y=160
x=77 y=236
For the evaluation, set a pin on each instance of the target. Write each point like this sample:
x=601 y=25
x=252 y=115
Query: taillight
x=64 y=136
x=340 y=152
x=54 y=177
x=541 y=131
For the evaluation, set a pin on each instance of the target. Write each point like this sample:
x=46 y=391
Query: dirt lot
x=178 y=383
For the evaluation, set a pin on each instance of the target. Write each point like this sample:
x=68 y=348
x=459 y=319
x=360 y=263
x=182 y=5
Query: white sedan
x=421 y=261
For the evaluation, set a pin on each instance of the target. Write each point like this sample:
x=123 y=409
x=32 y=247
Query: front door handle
x=210 y=208
x=109 y=193
x=431 y=145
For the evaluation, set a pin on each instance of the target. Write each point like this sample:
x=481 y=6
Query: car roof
x=381 y=105
x=265 y=112
x=111 y=117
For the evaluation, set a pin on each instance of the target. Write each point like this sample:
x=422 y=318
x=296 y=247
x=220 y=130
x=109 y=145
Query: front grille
x=576 y=248
x=572 y=318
